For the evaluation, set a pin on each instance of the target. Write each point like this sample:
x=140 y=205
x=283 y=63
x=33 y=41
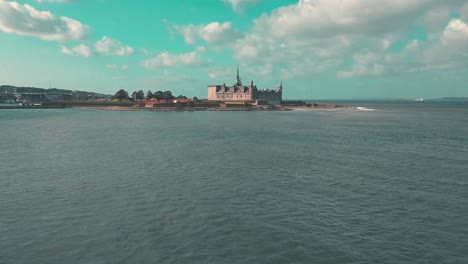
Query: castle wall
x=230 y=93
x=269 y=95
x=238 y=92
x=230 y=96
x=217 y=93
x=212 y=93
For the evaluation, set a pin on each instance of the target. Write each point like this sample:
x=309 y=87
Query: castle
x=239 y=92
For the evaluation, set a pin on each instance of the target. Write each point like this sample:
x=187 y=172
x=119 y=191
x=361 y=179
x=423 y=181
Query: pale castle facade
x=239 y=92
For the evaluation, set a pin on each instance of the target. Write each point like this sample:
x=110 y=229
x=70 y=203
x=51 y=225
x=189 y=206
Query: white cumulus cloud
x=168 y=60
x=455 y=36
x=27 y=21
x=313 y=18
x=79 y=50
x=213 y=33
x=110 y=46
x=357 y=37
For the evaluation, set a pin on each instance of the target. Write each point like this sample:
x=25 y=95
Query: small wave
x=361 y=108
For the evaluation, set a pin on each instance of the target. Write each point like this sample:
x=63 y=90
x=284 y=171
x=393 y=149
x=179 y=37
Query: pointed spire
x=238 y=79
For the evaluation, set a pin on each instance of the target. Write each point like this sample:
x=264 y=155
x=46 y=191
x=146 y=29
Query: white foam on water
x=361 y=108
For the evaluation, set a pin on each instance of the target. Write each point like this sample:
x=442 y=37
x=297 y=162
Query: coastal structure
x=240 y=92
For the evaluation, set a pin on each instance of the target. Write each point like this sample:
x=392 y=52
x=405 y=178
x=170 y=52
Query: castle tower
x=238 y=79
x=280 y=92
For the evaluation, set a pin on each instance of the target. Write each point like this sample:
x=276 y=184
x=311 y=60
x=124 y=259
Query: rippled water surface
x=90 y=186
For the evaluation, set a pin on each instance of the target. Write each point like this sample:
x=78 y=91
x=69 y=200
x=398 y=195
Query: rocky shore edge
x=186 y=108
x=225 y=109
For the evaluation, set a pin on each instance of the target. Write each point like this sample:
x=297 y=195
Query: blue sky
x=322 y=49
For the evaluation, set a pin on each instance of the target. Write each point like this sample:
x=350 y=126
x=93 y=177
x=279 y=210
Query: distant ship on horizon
x=419 y=99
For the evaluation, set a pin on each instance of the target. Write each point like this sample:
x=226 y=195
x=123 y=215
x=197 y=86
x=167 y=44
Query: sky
x=319 y=49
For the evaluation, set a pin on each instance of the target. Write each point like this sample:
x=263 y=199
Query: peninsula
x=236 y=97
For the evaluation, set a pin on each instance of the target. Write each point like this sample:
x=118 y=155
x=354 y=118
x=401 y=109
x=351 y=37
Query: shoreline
x=216 y=109
x=184 y=108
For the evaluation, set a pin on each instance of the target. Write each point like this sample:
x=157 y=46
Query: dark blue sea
x=384 y=184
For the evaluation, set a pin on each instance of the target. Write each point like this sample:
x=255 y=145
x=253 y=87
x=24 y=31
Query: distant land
x=450 y=99
x=455 y=99
x=9 y=91
x=12 y=97
x=51 y=93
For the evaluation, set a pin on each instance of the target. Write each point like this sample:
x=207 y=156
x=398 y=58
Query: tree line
x=140 y=95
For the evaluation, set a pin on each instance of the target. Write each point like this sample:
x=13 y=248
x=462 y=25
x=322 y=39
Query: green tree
x=140 y=95
x=149 y=95
x=121 y=94
x=159 y=95
x=167 y=95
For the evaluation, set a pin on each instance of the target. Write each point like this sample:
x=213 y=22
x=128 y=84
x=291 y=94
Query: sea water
x=341 y=186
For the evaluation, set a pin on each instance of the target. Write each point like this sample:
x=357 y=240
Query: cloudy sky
x=323 y=49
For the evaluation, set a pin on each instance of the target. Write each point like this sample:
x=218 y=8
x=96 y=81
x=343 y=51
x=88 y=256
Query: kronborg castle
x=239 y=92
